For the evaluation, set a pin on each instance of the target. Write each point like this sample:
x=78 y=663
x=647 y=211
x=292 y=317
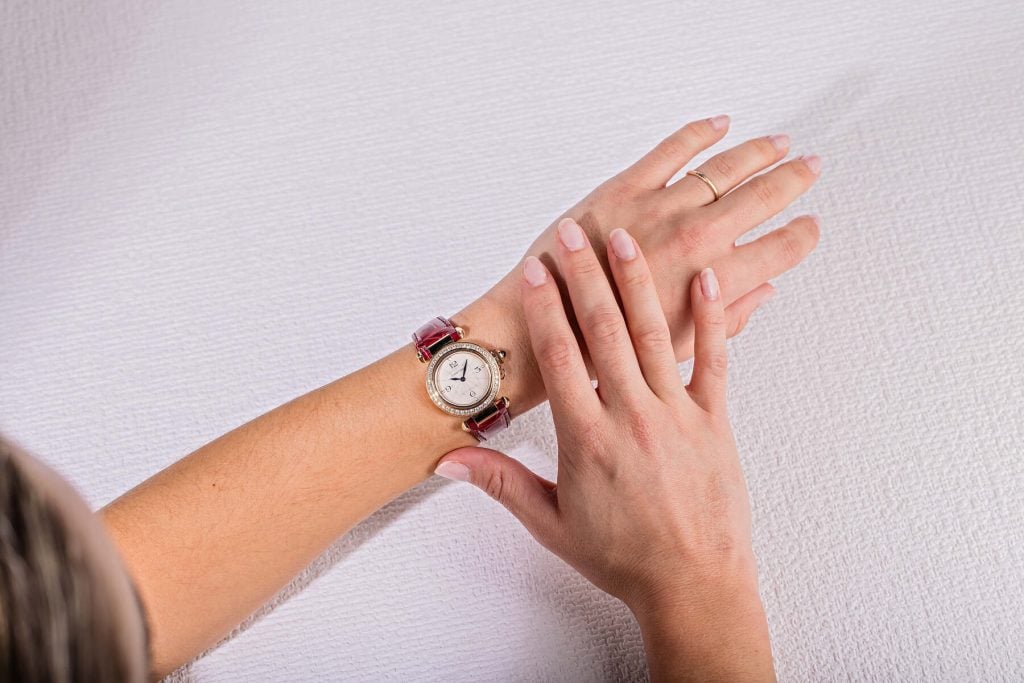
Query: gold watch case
x=493 y=360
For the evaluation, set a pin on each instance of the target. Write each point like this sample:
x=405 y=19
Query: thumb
x=527 y=496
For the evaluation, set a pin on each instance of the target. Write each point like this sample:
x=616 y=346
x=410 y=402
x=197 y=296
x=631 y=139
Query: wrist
x=710 y=632
x=496 y=318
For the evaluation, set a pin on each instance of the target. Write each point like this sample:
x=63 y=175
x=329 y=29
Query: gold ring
x=707 y=181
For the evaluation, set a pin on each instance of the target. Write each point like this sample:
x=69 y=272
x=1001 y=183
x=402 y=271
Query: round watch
x=463 y=377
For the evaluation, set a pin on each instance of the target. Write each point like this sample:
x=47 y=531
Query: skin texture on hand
x=651 y=503
x=215 y=535
x=682 y=229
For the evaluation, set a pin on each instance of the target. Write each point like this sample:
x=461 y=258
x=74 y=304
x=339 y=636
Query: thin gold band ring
x=707 y=181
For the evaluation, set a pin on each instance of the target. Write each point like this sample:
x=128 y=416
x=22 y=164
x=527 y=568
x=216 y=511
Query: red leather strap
x=490 y=420
x=434 y=334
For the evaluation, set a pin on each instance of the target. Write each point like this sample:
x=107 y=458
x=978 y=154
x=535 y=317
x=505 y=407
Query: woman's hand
x=650 y=504
x=682 y=229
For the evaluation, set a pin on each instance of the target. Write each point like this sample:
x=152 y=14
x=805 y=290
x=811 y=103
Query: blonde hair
x=55 y=621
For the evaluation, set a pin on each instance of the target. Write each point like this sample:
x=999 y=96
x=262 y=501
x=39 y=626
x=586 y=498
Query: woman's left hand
x=682 y=228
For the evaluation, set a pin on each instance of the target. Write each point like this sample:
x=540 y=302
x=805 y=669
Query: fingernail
x=622 y=244
x=779 y=142
x=534 y=271
x=814 y=218
x=813 y=162
x=709 y=284
x=768 y=296
x=455 y=471
x=571 y=235
x=719 y=122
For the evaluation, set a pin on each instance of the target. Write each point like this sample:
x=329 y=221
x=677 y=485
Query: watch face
x=462 y=378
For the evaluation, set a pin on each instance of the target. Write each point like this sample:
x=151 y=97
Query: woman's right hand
x=651 y=503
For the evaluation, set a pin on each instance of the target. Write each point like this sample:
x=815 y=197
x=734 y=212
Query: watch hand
x=464 y=370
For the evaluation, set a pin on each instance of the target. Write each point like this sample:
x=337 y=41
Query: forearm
x=211 y=538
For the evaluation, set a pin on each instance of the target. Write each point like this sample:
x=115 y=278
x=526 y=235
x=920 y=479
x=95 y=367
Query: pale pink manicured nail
x=813 y=162
x=719 y=122
x=779 y=142
x=622 y=244
x=534 y=271
x=767 y=297
x=453 y=470
x=571 y=235
x=709 y=284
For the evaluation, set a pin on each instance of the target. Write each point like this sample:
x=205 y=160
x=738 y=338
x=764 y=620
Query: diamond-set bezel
x=444 y=352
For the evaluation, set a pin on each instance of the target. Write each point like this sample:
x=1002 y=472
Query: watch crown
x=499 y=354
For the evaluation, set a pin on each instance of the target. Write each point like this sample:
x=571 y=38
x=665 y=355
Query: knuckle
x=802 y=171
x=812 y=229
x=556 y=353
x=714 y=319
x=766 y=191
x=654 y=213
x=496 y=485
x=698 y=236
x=636 y=276
x=716 y=363
x=643 y=427
x=652 y=336
x=545 y=306
x=723 y=167
x=764 y=149
x=617 y=190
x=790 y=246
x=702 y=130
x=605 y=325
x=675 y=147
x=585 y=266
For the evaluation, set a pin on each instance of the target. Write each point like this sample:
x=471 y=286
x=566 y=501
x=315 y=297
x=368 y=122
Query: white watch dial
x=462 y=378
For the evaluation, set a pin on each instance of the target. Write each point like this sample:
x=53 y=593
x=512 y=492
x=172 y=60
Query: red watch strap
x=434 y=334
x=490 y=420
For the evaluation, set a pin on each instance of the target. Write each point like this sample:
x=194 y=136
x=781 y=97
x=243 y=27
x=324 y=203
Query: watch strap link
x=434 y=334
x=489 y=421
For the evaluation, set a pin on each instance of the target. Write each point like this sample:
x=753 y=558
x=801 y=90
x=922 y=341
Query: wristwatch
x=463 y=378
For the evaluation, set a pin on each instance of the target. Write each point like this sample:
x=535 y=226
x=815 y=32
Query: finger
x=565 y=375
x=598 y=314
x=527 y=496
x=768 y=256
x=737 y=314
x=710 y=361
x=760 y=198
x=652 y=341
x=730 y=168
x=658 y=166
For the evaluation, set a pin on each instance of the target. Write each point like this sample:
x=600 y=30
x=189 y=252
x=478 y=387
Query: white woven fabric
x=203 y=206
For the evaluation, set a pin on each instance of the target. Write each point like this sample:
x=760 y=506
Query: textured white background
x=207 y=208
